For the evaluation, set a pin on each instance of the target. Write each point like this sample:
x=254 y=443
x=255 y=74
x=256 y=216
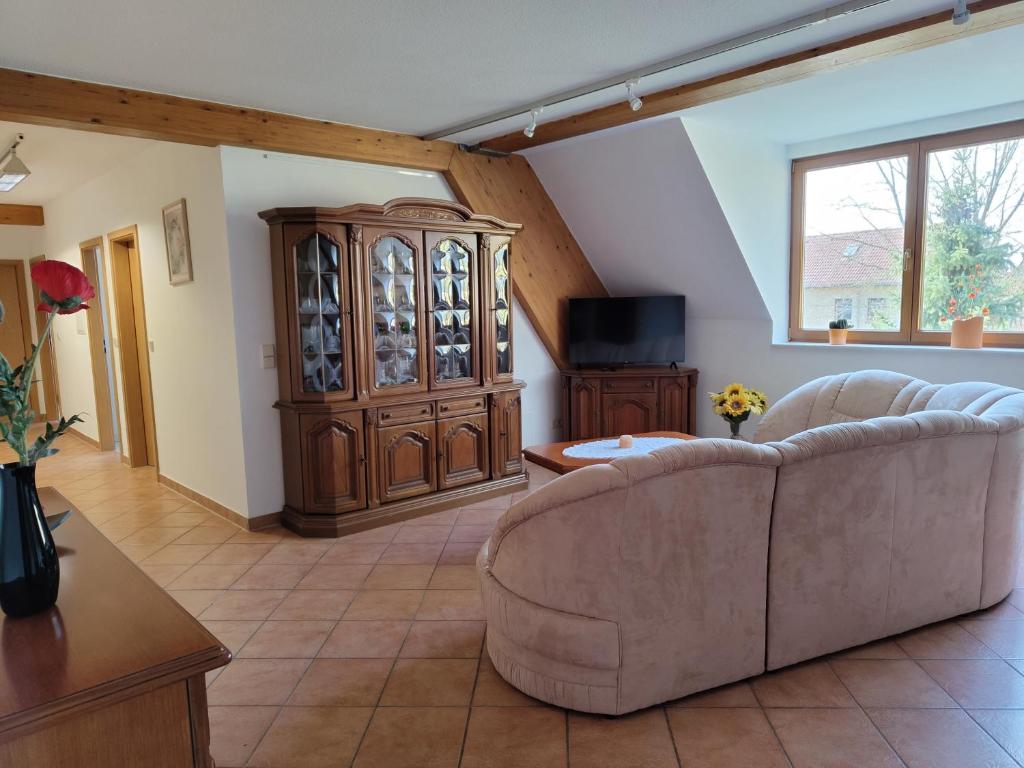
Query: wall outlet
x=152 y=346
x=268 y=356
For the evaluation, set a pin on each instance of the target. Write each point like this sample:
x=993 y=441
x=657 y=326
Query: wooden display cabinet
x=394 y=336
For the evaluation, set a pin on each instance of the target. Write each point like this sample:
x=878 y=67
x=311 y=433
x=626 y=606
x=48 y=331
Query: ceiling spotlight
x=12 y=170
x=635 y=102
x=961 y=15
x=531 y=129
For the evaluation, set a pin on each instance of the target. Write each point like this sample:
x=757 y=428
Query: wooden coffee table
x=550 y=455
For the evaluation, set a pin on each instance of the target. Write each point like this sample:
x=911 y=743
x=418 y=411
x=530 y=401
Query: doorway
x=15 y=330
x=129 y=306
x=47 y=362
x=98 y=324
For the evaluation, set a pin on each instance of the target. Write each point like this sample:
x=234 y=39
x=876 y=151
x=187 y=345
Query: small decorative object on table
x=626 y=441
x=837 y=330
x=735 y=403
x=29 y=570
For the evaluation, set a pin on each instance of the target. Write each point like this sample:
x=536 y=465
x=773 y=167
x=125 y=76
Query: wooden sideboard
x=394 y=349
x=628 y=401
x=113 y=675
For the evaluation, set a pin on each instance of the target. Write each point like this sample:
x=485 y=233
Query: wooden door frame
x=133 y=347
x=23 y=312
x=107 y=408
x=48 y=364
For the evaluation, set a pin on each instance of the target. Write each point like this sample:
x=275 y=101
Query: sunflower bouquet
x=736 y=402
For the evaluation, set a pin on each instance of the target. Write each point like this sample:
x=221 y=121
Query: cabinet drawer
x=628 y=385
x=402 y=414
x=457 y=406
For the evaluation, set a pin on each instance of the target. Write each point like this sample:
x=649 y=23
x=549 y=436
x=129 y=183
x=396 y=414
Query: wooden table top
x=112 y=630
x=550 y=455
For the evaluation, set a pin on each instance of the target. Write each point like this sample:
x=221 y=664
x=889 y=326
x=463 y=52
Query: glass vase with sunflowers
x=735 y=403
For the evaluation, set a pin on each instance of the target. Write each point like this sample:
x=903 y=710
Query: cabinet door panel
x=586 y=409
x=507 y=434
x=629 y=414
x=500 y=266
x=334 y=462
x=674 y=400
x=407 y=463
x=453 y=296
x=464 y=450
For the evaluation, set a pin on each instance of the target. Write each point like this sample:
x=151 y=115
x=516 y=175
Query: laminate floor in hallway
x=368 y=651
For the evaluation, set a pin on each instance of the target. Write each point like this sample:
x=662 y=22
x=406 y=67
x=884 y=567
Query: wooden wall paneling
x=922 y=32
x=548 y=264
x=64 y=103
x=22 y=215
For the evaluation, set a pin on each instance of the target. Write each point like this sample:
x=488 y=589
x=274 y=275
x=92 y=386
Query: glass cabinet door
x=321 y=346
x=450 y=261
x=393 y=305
x=501 y=277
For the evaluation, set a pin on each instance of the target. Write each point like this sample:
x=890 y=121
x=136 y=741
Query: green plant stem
x=26 y=382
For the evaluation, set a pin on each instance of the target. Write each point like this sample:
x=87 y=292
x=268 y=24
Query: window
x=903 y=238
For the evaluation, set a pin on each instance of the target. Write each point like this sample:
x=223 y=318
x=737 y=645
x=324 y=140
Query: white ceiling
x=60 y=160
x=404 y=65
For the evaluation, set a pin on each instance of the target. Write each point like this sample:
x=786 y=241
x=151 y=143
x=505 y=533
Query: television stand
x=628 y=401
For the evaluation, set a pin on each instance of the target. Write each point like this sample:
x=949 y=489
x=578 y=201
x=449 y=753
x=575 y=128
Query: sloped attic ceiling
x=640 y=206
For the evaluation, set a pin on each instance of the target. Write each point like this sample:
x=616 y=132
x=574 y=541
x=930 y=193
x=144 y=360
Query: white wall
x=254 y=181
x=191 y=326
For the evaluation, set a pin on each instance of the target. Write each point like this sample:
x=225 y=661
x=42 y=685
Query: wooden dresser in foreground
x=113 y=676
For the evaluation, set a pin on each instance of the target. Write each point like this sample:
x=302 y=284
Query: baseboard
x=250 y=524
x=83 y=437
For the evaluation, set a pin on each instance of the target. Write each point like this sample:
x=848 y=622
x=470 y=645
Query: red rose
x=63 y=288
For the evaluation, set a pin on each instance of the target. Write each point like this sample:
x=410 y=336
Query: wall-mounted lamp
x=12 y=170
x=635 y=102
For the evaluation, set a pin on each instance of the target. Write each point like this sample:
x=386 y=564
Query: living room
x=653 y=402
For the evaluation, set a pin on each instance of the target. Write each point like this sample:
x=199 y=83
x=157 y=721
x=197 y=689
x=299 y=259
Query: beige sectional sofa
x=869 y=504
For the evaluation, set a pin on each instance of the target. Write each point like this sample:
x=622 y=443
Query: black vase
x=29 y=569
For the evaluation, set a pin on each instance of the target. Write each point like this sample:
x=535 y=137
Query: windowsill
x=903 y=348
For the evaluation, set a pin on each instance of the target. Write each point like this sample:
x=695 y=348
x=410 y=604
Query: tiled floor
x=367 y=651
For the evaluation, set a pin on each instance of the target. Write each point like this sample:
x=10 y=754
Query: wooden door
x=465 y=452
x=98 y=322
x=406 y=460
x=629 y=413
x=333 y=462
x=15 y=331
x=674 y=404
x=507 y=434
x=585 y=396
x=47 y=370
x=453 y=298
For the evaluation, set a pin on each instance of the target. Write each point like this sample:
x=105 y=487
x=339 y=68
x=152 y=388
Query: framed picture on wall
x=179 y=251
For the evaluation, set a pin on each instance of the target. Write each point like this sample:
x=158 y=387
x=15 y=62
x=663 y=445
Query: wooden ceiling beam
x=22 y=215
x=923 y=32
x=56 y=101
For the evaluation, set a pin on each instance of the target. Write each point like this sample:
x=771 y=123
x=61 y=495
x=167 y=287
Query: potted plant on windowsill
x=838 y=330
x=967 y=309
x=29 y=569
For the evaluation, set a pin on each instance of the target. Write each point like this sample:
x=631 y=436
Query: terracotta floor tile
x=474 y=533
x=296 y=553
x=365 y=639
x=207 y=535
x=385 y=604
x=236 y=554
x=271 y=536
x=312 y=737
x=639 y=740
x=233 y=634
x=1006 y=638
x=195 y=601
x=836 y=738
x=257 y=681
x=515 y=737
x=444 y=517
x=1016 y=598
x=287 y=640
x=314 y=604
x=342 y=683
x=256 y=604
x=386 y=576
x=430 y=683
x=733 y=695
x=412 y=554
x=1003 y=610
x=880 y=649
x=944 y=641
x=979 y=683
x=479 y=516
x=335 y=577
x=1006 y=726
x=492 y=690
x=209 y=576
x=354 y=553
x=163 y=574
x=459 y=553
x=262 y=576
x=939 y=739
x=183 y=519
x=235 y=732
x=811 y=684
x=155 y=535
x=444 y=640
x=890 y=683
x=451 y=604
x=724 y=737
x=180 y=554
x=502 y=502
x=454 y=577
x=384 y=534
x=411 y=737
x=418 y=534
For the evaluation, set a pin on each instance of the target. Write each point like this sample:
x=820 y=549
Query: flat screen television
x=639 y=330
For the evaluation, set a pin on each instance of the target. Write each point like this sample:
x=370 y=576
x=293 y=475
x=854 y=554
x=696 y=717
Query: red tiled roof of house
x=866 y=257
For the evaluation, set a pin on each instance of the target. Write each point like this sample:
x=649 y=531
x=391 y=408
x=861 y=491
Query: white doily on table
x=609 y=449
